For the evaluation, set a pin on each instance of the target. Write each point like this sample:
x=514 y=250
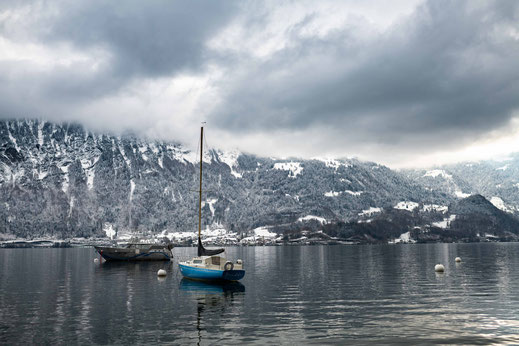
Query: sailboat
x=208 y=265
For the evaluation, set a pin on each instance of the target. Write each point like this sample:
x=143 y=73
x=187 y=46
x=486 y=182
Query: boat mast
x=200 y=190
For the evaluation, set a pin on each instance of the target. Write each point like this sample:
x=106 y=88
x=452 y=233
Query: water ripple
x=290 y=295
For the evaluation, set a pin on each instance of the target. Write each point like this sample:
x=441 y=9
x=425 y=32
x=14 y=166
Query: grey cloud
x=441 y=76
x=450 y=66
x=150 y=38
x=141 y=39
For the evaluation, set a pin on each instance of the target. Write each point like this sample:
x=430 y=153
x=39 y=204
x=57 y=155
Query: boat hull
x=111 y=254
x=211 y=274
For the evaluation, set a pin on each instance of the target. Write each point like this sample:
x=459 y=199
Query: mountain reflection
x=383 y=294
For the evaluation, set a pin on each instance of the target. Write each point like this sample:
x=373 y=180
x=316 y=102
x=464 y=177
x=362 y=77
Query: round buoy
x=162 y=272
x=96 y=260
x=439 y=268
x=458 y=259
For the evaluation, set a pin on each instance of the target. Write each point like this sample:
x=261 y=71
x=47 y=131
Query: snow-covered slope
x=498 y=181
x=62 y=180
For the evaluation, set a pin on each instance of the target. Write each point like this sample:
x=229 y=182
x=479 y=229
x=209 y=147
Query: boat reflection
x=213 y=299
x=136 y=266
x=194 y=286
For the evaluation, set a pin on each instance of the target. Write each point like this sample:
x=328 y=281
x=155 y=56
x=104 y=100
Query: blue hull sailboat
x=201 y=268
x=208 y=265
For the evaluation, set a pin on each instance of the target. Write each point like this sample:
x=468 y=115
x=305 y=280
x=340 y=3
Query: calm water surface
x=298 y=294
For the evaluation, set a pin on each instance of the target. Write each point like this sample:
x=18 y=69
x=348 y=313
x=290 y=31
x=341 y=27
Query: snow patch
x=312 y=217
x=504 y=168
x=332 y=194
x=143 y=149
x=179 y=236
x=132 y=189
x=230 y=158
x=209 y=234
x=154 y=148
x=121 y=150
x=460 y=194
x=446 y=223
x=13 y=139
x=332 y=163
x=185 y=156
x=370 y=211
x=260 y=233
x=437 y=173
x=85 y=164
x=294 y=168
x=88 y=167
x=40 y=133
x=71 y=205
x=210 y=202
x=160 y=161
x=354 y=193
x=500 y=204
x=65 y=184
x=337 y=193
x=109 y=230
x=90 y=179
x=406 y=205
x=42 y=175
x=296 y=197
x=264 y=232
x=213 y=232
x=404 y=238
x=435 y=207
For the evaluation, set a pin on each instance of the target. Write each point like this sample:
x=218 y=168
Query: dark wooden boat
x=136 y=252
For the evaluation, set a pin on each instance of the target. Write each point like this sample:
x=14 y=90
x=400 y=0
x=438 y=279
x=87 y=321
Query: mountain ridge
x=62 y=180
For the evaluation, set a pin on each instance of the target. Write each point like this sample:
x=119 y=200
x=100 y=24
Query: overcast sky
x=403 y=83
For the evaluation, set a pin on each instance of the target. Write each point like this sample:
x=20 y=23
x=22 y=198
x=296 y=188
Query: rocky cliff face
x=62 y=180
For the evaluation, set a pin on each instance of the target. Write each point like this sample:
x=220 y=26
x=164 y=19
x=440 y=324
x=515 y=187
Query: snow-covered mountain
x=469 y=219
x=497 y=181
x=62 y=180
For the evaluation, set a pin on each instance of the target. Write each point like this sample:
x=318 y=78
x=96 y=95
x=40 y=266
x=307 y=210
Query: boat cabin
x=215 y=262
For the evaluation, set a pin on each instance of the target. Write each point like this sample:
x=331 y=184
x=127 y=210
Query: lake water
x=290 y=295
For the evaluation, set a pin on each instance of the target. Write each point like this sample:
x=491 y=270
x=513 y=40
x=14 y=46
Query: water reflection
x=205 y=287
x=211 y=298
x=295 y=295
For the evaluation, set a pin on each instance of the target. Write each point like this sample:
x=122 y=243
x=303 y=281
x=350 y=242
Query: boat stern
x=233 y=275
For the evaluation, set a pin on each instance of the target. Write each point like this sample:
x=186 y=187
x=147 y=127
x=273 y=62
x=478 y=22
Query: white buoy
x=458 y=259
x=162 y=272
x=439 y=268
x=96 y=260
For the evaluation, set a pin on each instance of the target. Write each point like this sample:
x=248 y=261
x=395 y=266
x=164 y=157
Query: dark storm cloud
x=139 y=39
x=452 y=66
x=150 y=38
x=445 y=73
